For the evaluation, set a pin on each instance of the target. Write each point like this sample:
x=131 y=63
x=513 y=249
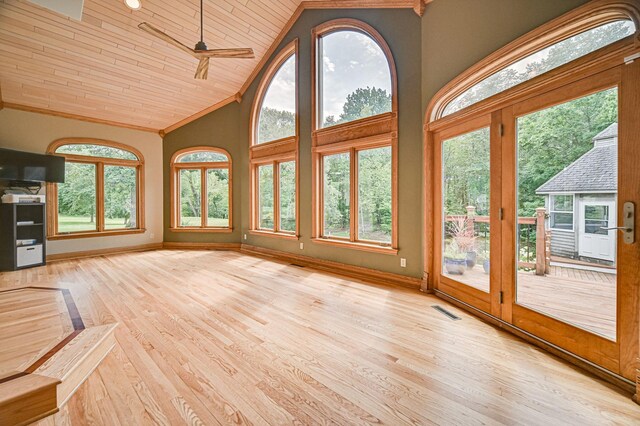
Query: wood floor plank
x=210 y=338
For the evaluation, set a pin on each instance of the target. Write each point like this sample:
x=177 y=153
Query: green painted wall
x=429 y=52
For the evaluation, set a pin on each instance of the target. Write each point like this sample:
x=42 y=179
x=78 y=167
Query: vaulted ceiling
x=105 y=68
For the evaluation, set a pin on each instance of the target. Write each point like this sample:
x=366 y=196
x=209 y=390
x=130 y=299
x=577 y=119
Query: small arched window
x=201 y=193
x=278 y=109
x=102 y=192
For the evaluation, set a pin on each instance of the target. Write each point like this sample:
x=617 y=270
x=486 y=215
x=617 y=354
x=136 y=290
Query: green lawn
x=83 y=223
x=197 y=221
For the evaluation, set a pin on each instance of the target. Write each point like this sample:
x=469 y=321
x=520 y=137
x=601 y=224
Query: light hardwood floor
x=221 y=337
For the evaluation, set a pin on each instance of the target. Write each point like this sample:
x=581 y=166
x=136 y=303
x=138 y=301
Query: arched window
x=102 y=193
x=531 y=159
x=535 y=54
x=355 y=137
x=354 y=79
x=274 y=149
x=201 y=197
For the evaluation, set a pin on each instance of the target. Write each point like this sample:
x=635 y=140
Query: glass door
x=562 y=255
x=466 y=223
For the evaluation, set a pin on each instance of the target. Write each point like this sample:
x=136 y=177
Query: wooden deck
x=583 y=298
x=216 y=338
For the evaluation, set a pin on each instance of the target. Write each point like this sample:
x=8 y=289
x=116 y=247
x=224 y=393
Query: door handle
x=628 y=223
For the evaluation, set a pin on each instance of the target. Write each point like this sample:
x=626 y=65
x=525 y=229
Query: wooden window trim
x=273 y=152
x=366 y=133
x=174 y=185
x=583 y=18
x=99 y=162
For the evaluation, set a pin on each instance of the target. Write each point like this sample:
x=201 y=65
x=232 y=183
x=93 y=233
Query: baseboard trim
x=606 y=375
x=201 y=246
x=358 y=272
x=101 y=252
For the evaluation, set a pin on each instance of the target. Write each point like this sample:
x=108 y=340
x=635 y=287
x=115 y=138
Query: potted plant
x=455 y=260
x=461 y=230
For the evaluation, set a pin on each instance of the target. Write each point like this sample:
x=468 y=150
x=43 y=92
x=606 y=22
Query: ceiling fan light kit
x=200 y=52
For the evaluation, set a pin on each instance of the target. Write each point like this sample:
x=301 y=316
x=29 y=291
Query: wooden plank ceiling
x=105 y=68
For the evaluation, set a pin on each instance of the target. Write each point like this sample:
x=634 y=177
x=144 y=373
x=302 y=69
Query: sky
x=350 y=60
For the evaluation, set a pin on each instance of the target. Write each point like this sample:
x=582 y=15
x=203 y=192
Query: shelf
x=29 y=224
x=30 y=245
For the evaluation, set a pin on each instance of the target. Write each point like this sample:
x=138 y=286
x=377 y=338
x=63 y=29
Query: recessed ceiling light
x=133 y=4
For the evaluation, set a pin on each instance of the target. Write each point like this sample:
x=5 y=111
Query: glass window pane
x=77 y=198
x=374 y=195
x=466 y=209
x=542 y=61
x=570 y=148
x=96 y=151
x=120 y=197
x=562 y=220
x=562 y=203
x=203 y=157
x=287 y=175
x=190 y=197
x=218 y=198
x=265 y=197
x=336 y=195
x=278 y=110
x=354 y=78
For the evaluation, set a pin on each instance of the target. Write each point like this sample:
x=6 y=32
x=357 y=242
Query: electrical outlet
x=403 y=262
x=301 y=246
x=245 y=236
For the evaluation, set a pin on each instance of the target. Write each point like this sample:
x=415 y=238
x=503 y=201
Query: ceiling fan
x=200 y=51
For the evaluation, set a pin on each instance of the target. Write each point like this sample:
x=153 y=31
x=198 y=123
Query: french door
x=525 y=201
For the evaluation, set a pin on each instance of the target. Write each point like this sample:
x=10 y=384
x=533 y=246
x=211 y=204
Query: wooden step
x=77 y=360
x=27 y=398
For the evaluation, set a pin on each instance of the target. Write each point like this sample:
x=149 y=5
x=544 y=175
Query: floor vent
x=296 y=265
x=443 y=311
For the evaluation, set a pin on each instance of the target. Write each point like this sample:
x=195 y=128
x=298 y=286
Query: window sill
x=284 y=235
x=96 y=234
x=375 y=248
x=186 y=229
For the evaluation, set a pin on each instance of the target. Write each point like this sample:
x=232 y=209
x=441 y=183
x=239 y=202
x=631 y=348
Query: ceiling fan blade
x=157 y=33
x=203 y=69
x=226 y=53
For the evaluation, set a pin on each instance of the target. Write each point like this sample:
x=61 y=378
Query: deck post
x=541 y=255
x=471 y=215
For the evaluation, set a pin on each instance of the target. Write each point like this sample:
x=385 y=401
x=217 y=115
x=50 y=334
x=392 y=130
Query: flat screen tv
x=26 y=166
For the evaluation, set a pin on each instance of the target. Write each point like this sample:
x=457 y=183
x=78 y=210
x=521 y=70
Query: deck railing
x=534 y=241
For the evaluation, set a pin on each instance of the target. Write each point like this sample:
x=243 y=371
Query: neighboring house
x=581 y=200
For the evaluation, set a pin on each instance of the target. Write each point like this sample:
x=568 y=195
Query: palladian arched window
x=201 y=197
x=102 y=193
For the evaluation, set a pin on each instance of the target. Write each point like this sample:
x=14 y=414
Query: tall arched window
x=201 y=190
x=102 y=193
x=274 y=149
x=355 y=137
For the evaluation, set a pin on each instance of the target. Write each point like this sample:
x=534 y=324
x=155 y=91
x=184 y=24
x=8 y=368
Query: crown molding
x=20 y=107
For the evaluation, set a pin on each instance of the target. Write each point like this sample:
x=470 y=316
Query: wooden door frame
x=486 y=302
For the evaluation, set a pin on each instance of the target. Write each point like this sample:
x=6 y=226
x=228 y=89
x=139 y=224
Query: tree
x=77 y=196
x=363 y=103
x=275 y=124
